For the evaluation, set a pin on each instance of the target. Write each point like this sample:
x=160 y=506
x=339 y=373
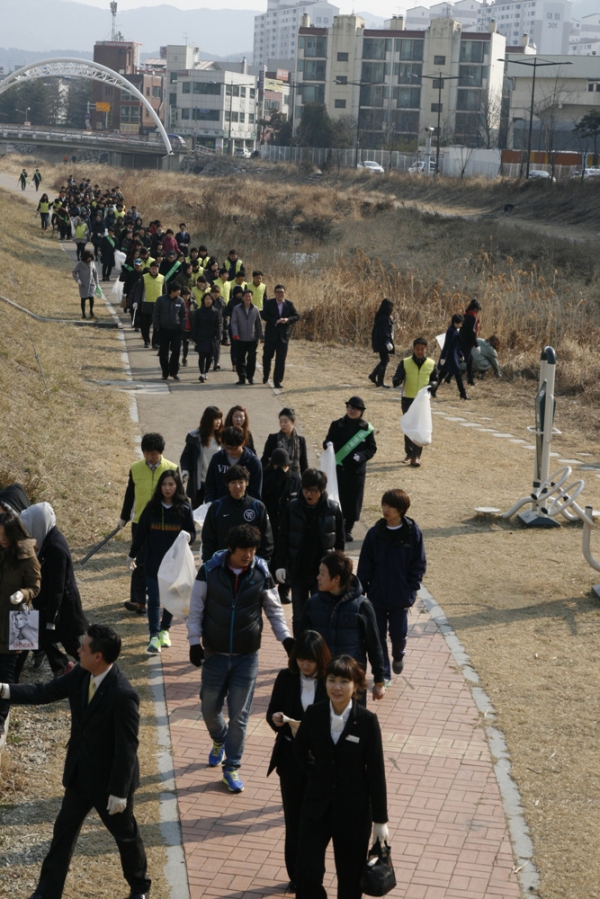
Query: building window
x=186 y=87
x=408 y=73
x=206 y=115
x=312 y=93
x=147 y=91
x=252 y=93
x=437 y=84
x=342 y=79
x=437 y=107
x=374 y=72
x=156 y=91
x=407 y=122
x=242 y=117
x=472 y=51
x=185 y=113
x=439 y=60
x=342 y=57
x=409 y=97
x=173 y=78
x=409 y=49
x=314 y=69
x=376 y=47
x=251 y=118
x=470 y=76
x=469 y=99
x=130 y=113
x=172 y=99
x=340 y=104
x=371 y=95
x=242 y=92
x=313 y=46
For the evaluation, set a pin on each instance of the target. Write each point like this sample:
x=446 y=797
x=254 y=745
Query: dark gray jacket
x=169 y=314
x=246 y=324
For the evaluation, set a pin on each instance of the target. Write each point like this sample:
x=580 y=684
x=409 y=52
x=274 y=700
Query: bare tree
x=489 y=119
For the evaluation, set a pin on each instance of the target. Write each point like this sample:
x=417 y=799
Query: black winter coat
x=279 y=488
x=292 y=530
x=59 y=601
x=340 y=432
x=271 y=446
x=286 y=698
x=382 y=334
x=206 y=328
x=227 y=513
x=392 y=564
x=190 y=457
x=216 y=486
x=107 y=251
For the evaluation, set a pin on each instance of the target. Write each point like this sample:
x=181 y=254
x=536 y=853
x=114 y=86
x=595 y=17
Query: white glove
x=389 y=347
x=356 y=457
x=380 y=832
x=121 y=523
x=116 y=805
x=17 y=598
x=50 y=627
x=131 y=563
x=280 y=575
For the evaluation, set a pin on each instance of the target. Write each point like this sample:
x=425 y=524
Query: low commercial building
x=116 y=110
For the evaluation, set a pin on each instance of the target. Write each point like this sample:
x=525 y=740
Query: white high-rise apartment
x=276 y=30
x=546 y=22
x=466 y=12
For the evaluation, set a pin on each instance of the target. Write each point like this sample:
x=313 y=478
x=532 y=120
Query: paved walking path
x=448 y=829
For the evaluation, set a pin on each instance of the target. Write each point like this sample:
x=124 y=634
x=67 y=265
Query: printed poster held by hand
x=176 y=577
x=328 y=467
x=23 y=629
x=417 y=422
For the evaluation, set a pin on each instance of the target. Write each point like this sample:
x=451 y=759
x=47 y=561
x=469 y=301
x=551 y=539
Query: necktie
x=91 y=689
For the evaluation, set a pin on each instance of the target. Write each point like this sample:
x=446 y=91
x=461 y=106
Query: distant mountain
x=14 y=58
x=58 y=23
x=371 y=20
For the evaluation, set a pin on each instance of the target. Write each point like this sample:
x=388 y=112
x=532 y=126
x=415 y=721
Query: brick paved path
x=447 y=826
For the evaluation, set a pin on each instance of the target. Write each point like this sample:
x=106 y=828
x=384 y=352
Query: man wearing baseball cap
x=354 y=444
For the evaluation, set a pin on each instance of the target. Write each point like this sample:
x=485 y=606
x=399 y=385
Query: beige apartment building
x=396 y=83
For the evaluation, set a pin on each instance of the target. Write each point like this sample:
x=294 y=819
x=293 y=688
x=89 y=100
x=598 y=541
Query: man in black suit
x=101 y=767
x=278 y=314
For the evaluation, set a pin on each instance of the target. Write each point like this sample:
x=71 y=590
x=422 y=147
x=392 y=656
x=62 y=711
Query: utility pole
x=113 y=11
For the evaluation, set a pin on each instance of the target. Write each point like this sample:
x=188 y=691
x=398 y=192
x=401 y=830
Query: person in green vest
x=354 y=444
x=259 y=290
x=234 y=264
x=203 y=257
x=37 y=179
x=82 y=235
x=23 y=179
x=224 y=284
x=170 y=267
x=44 y=211
x=143 y=478
x=239 y=281
x=415 y=372
x=108 y=245
x=154 y=286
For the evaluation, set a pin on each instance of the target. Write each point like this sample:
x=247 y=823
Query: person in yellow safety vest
x=194 y=257
x=416 y=371
x=154 y=287
x=82 y=235
x=224 y=284
x=239 y=280
x=44 y=210
x=202 y=287
x=234 y=264
x=259 y=290
x=143 y=478
x=203 y=257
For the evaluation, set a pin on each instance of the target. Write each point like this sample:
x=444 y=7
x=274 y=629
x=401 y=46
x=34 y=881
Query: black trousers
x=83 y=299
x=123 y=827
x=145 y=322
x=106 y=270
x=394 y=622
x=292 y=783
x=169 y=349
x=350 y=835
x=8 y=662
x=378 y=373
x=246 y=359
x=278 y=349
x=351 y=488
x=411 y=449
x=204 y=362
x=137 y=586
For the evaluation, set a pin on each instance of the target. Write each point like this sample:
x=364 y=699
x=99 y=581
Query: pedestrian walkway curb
x=519 y=832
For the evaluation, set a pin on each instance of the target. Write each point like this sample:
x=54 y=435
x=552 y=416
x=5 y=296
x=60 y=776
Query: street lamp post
x=440 y=78
x=535 y=63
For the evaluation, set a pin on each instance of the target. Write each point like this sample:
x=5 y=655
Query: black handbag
x=378 y=874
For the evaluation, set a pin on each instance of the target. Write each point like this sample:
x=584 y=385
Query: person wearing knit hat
x=354 y=444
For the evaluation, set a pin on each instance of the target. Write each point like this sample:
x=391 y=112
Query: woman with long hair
x=167 y=513
x=200 y=446
x=296 y=688
x=237 y=417
x=288 y=439
x=382 y=341
x=339 y=746
x=19 y=586
x=43 y=208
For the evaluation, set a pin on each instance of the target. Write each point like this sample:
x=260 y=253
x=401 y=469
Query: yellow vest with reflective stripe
x=258 y=294
x=416 y=378
x=145 y=481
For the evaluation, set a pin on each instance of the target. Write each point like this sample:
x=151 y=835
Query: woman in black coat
x=62 y=619
x=382 y=340
x=108 y=245
x=468 y=336
x=338 y=745
x=201 y=444
x=297 y=687
x=449 y=364
x=280 y=486
x=206 y=330
x=287 y=438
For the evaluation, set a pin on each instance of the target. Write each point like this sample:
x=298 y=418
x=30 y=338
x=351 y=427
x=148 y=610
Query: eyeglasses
x=310 y=490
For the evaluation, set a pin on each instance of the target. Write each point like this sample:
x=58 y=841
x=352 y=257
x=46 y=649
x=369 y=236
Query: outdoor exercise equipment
x=551 y=495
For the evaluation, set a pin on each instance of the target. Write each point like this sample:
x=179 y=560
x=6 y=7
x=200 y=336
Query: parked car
x=371 y=166
x=418 y=168
x=243 y=152
x=177 y=142
x=540 y=175
x=592 y=172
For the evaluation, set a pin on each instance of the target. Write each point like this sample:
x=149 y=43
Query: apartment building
x=585 y=36
x=396 y=83
x=464 y=11
x=275 y=30
x=214 y=103
x=546 y=22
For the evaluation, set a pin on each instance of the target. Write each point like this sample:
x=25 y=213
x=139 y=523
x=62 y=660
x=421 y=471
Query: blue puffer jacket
x=347 y=624
x=392 y=564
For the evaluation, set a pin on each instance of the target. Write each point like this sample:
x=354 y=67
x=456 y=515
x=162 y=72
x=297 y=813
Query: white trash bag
x=328 y=467
x=417 y=423
x=199 y=515
x=176 y=577
x=117 y=291
x=120 y=258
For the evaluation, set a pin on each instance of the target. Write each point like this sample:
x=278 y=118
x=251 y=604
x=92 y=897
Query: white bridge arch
x=67 y=67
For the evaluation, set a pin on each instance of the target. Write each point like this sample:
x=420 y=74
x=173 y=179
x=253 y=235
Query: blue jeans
x=394 y=622
x=234 y=677
x=155 y=623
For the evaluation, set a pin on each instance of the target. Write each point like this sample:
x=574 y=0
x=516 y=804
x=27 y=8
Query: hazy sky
x=375 y=7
